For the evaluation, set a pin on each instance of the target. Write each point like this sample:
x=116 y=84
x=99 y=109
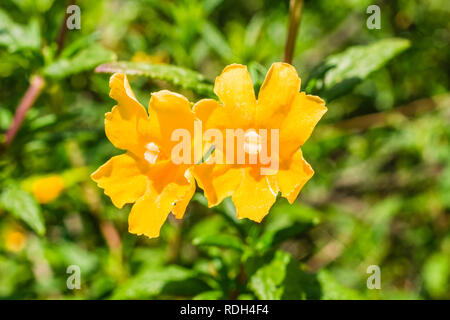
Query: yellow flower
x=146 y=175
x=15 y=239
x=280 y=106
x=157 y=58
x=48 y=188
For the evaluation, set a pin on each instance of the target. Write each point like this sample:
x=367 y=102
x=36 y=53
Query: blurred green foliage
x=380 y=194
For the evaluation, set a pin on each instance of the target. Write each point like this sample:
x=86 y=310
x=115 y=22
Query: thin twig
x=34 y=90
x=295 y=14
x=63 y=29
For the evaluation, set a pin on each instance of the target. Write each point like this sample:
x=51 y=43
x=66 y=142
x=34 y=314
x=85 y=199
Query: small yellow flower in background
x=48 y=188
x=146 y=175
x=14 y=239
x=280 y=106
x=157 y=58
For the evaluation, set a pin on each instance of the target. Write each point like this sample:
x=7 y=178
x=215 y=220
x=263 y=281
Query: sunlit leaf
x=286 y=221
x=83 y=60
x=175 y=75
x=282 y=278
x=22 y=205
x=341 y=72
x=209 y=295
x=18 y=37
x=220 y=240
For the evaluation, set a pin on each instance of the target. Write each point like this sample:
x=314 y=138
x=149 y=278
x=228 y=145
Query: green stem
x=295 y=14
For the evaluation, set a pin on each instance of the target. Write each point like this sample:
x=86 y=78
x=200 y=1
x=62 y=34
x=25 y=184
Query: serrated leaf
x=220 y=240
x=23 y=206
x=83 y=60
x=178 y=76
x=341 y=72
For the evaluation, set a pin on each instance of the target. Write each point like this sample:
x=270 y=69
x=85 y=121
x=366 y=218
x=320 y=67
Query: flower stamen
x=152 y=152
x=252 y=142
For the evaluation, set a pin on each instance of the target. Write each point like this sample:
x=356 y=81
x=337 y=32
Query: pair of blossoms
x=147 y=176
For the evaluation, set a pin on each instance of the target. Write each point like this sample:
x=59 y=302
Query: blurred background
x=380 y=195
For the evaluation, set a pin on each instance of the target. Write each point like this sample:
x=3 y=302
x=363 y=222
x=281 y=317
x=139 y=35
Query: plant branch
x=295 y=14
x=33 y=92
x=34 y=89
x=63 y=29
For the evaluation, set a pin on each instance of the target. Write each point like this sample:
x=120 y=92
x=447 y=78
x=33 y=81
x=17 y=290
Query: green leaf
x=12 y=276
x=333 y=290
x=209 y=295
x=168 y=280
x=84 y=60
x=282 y=278
x=286 y=221
x=220 y=240
x=178 y=76
x=67 y=253
x=216 y=41
x=34 y=5
x=79 y=44
x=23 y=206
x=341 y=72
x=436 y=275
x=6 y=117
x=18 y=37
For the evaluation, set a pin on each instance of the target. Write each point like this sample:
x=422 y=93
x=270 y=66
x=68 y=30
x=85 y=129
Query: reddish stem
x=33 y=92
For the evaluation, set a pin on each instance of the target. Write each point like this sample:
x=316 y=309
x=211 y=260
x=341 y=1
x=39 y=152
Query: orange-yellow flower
x=15 y=239
x=157 y=58
x=48 y=188
x=280 y=106
x=146 y=175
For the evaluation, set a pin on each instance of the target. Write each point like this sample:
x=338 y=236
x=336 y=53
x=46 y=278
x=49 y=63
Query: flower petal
x=276 y=94
x=122 y=179
x=181 y=205
x=204 y=108
x=255 y=196
x=150 y=212
x=173 y=111
x=234 y=88
x=293 y=176
x=305 y=112
x=121 y=124
x=217 y=181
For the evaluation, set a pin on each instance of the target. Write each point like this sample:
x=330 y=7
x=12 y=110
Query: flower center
x=252 y=142
x=151 y=153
